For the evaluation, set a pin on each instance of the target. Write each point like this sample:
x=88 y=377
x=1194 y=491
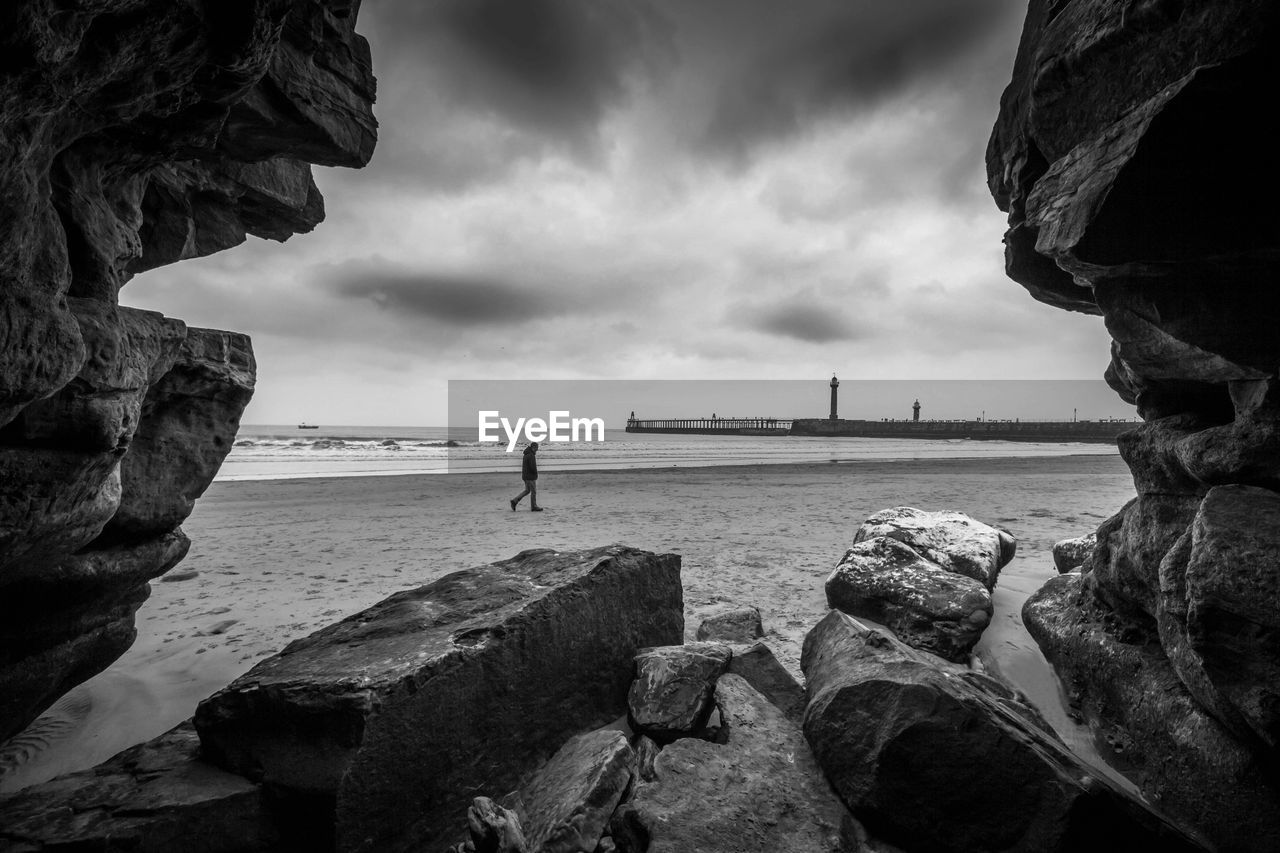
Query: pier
x=1096 y=431
x=1105 y=431
x=712 y=426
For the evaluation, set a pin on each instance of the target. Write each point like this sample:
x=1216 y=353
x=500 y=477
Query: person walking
x=529 y=473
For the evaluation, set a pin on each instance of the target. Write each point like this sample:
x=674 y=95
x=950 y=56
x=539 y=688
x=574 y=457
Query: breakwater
x=1087 y=431
x=712 y=426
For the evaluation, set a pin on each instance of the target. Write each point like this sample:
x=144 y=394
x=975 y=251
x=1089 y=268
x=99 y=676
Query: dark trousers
x=530 y=489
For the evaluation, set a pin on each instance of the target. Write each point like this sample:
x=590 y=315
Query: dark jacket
x=529 y=469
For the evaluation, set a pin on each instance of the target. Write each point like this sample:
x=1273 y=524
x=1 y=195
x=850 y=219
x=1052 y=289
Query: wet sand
x=272 y=561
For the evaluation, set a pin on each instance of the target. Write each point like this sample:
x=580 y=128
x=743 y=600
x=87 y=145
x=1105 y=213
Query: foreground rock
x=133 y=134
x=392 y=720
x=1071 y=554
x=759 y=667
x=923 y=604
x=492 y=829
x=927 y=576
x=1187 y=761
x=760 y=790
x=930 y=761
x=154 y=798
x=951 y=540
x=742 y=625
x=671 y=695
x=568 y=803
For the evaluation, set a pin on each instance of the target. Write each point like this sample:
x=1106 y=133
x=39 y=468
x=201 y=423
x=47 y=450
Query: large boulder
x=952 y=540
x=153 y=798
x=133 y=134
x=932 y=761
x=393 y=719
x=759 y=791
x=1185 y=759
x=923 y=603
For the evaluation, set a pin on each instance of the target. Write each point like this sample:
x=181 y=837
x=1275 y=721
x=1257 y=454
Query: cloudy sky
x=647 y=189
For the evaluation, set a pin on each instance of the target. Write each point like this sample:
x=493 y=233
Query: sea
x=284 y=451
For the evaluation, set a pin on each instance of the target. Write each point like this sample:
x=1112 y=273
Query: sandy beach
x=272 y=561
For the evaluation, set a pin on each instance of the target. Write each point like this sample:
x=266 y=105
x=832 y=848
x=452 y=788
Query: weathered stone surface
x=127 y=352
x=168 y=400
x=757 y=665
x=742 y=625
x=1187 y=762
x=135 y=133
x=952 y=540
x=759 y=791
x=923 y=603
x=1071 y=554
x=646 y=749
x=568 y=803
x=65 y=625
x=930 y=761
x=187 y=425
x=671 y=694
x=154 y=798
x=1232 y=619
x=1107 y=158
x=398 y=716
x=493 y=829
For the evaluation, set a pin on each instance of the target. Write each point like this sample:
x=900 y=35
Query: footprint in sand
x=47 y=729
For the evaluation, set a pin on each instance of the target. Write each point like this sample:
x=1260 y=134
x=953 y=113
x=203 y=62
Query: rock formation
x=758 y=790
x=740 y=625
x=671 y=694
x=570 y=800
x=933 y=761
x=136 y=133
x=1136 y=169
x=375 y=733
x=1071 y=554
x=389 y=722
x=155 y=797
x=927 y=576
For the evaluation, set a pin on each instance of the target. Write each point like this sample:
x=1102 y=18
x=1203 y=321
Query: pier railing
x=727 y=426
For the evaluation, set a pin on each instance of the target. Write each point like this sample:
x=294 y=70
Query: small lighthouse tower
x=915 y=411
x=835 y=383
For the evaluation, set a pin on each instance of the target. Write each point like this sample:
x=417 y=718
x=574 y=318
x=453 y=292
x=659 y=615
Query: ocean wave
x=328 y=443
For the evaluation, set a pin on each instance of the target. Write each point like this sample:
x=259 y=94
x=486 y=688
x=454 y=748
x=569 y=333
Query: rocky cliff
x=136 y=133
x=1131 y=157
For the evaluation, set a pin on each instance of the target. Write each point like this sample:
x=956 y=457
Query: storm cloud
x=648 y=189
x=457 y=300
x=801 y=322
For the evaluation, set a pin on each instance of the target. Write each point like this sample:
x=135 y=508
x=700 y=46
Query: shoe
x=535 y=509
x=513 y=505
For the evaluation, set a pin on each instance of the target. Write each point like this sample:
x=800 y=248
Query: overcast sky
x=647 y=189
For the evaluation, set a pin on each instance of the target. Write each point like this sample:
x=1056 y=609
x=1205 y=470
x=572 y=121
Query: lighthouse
x=835 y=383
x=915 y=411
